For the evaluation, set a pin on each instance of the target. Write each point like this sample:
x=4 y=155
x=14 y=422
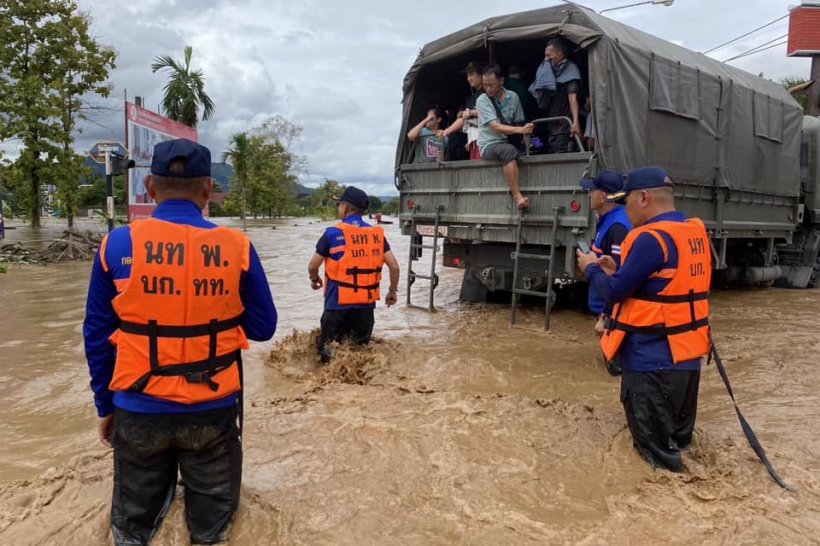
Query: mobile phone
x=583 y=246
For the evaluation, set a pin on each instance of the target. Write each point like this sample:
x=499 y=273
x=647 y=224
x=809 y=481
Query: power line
x=752 y=50
x=784 y=42
x=744 y=35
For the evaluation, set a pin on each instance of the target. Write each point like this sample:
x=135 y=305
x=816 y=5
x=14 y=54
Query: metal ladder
x=550 y=259
x=415 y=254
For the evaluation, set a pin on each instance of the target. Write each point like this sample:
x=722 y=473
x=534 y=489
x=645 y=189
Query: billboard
x=145 y=129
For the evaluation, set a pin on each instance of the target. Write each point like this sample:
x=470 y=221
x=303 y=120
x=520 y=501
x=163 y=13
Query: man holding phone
x=613 y=225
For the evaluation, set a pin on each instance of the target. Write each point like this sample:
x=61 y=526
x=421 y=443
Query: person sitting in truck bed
x=467 y=120
x=498 y=112
x=428 y=146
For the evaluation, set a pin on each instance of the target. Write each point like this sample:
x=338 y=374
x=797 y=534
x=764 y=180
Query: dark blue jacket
x=612 y=229
x=258 y=320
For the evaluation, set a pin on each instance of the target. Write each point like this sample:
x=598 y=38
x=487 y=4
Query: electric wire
x=757 y=47
x=746 y=54
x=733 y=40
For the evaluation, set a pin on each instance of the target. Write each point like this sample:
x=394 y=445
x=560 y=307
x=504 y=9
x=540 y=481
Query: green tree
x=184 y=93
x=66 y=172
x=802 y=96
x=391 y=207
x=264 y=169
x=48 y=63
x=16 y=191
x=95 y=195
x=324 y=205
x=375 y=204
x=270 y=179
x=288 y=134
x=239 y=156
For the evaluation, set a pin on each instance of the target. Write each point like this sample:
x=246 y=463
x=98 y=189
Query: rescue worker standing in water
x=353 y=253
x=659 y=328
x=613 y=225
x=173 y=300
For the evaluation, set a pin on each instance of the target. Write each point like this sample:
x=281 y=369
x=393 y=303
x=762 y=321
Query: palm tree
x=238 y=155
x=185 y=90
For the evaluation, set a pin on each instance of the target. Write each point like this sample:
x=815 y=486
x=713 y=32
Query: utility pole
x=109 y=190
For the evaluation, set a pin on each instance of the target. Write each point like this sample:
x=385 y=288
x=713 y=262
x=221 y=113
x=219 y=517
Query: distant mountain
x=301 y=190
x=222 y=173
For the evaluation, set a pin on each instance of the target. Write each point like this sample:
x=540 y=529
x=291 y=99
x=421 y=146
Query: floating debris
x=73 y=245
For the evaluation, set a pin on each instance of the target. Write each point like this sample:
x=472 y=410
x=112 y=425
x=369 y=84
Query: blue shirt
x=612 y=229
x=642 y=352
x=334 y=238
x=510 y=108
x=258 y=320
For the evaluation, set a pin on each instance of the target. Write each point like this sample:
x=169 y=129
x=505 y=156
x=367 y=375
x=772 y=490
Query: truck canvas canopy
x=654 y=102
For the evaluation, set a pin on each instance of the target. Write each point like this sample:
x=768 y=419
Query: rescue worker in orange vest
x=659 y=327
x=353 y=252
x=173 y=300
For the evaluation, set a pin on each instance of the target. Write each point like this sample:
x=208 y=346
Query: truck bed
x=476 y=203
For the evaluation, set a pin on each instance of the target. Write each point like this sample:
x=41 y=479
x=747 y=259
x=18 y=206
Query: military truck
x=742 y=155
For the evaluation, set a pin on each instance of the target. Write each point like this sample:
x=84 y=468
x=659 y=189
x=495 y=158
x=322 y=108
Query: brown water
x=450 y=428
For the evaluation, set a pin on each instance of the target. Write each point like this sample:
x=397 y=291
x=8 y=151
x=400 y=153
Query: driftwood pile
x=72 y=245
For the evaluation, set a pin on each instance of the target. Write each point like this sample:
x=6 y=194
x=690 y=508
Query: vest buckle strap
x=202 y=377
x=195 y=330
x=358 y=286
x=201 y=371
x=659 y=330
x=673 y=298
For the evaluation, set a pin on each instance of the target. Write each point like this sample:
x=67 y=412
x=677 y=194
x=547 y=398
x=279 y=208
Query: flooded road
x=451 y=428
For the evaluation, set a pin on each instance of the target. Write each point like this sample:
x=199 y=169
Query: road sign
x=97 y=151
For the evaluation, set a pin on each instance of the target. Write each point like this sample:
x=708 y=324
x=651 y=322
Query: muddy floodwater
x=451 y=428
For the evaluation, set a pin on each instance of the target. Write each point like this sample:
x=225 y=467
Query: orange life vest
x=681 y=310
x=180 y=336
x=358 y=273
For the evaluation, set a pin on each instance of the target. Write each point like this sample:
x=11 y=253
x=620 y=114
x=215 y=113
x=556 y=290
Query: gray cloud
x=336 y=68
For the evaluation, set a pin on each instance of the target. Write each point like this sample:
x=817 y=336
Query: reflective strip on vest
x=180 y=334
x=358 y=273
x=681 y=310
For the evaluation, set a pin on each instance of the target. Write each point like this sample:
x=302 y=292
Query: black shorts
x=660 y=410
x=338 y=324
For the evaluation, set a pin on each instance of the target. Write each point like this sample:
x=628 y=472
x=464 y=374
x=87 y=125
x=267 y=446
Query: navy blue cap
x=606 y=181
x=355 y=197
x=645 y=178
x=197 y=159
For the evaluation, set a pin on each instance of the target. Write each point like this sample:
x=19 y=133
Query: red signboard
x=804 y=30
x=145 y=130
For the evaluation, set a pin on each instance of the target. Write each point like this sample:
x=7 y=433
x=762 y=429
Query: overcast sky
x=336 y=68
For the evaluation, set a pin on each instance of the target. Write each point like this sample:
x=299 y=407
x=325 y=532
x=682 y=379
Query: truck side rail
x=553 y=120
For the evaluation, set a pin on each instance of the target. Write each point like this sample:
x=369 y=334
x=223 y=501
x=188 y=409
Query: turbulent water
x=451 y=428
